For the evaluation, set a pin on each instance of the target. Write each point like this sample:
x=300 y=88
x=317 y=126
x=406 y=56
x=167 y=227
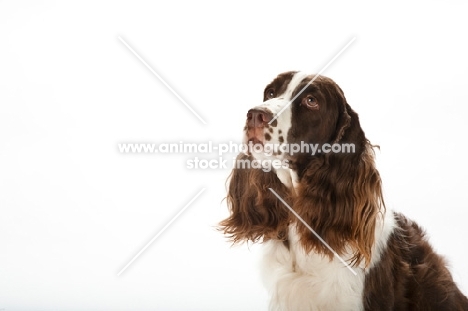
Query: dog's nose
x=258 y=118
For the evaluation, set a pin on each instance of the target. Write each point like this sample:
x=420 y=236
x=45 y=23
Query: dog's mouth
x=255 y=136
x=255 y=141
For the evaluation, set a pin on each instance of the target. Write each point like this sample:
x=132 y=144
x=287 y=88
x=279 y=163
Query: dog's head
x=336 y=192
x=302 y=115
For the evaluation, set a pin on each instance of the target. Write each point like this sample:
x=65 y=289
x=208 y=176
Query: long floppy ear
x=340 y=195
x=255 y=212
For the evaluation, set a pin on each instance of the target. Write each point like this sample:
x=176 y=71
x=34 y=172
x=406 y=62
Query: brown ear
x=344 y=111
x=343 y=123
x=255 y=212
x=340 y=196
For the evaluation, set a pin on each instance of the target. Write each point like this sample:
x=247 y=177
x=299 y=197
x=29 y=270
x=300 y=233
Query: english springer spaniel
x=337 y=247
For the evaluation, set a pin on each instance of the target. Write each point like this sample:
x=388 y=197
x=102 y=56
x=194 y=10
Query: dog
x=330 y=242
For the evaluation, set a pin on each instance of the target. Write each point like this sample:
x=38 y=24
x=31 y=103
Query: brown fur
x=340 y=196
x=411 y=276
x=256 y=214
x=340 y=200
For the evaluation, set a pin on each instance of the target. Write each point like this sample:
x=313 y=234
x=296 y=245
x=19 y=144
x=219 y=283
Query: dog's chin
x=258 y=149
x=251 y=144
x=255 y=142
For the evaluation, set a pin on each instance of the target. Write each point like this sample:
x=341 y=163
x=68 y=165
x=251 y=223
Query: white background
x=74 y=211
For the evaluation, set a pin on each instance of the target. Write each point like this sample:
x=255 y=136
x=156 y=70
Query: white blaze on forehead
x=283 y=103
x=295 y=81
x=275 y=105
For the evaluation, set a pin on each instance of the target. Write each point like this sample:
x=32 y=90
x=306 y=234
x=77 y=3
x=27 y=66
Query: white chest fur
x=299 y=281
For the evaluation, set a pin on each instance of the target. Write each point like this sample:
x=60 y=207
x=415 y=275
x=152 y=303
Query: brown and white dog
x=339 y=196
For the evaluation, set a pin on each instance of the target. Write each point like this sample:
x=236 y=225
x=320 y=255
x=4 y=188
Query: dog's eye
x=310 y=102
x=270 y=93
